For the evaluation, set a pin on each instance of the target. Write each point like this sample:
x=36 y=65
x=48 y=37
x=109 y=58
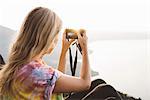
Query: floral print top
x=34 y=81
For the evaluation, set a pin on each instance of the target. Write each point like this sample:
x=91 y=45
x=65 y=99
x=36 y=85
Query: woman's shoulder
x=33 y=75
x=38 y=71
x=34 y=67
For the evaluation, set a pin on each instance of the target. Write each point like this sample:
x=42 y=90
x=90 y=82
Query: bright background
x=118 y=31
x=103 y=15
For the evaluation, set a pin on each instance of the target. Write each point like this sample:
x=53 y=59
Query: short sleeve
x=35 y=81
x=45 y=79
x=58 y=73
x=45 y=76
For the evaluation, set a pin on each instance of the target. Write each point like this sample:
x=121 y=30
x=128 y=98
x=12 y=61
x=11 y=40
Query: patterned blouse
x=34 y=81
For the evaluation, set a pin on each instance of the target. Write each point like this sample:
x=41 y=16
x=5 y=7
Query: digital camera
x=72 y=34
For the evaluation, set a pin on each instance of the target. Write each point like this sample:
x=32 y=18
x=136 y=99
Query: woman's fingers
x=82 y=32
x=71 y=41
x=65 y=42
x=79 y=35
x=82 y=39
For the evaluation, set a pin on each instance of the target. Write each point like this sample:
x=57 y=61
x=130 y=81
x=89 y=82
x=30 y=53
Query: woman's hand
x=65 y=46
x=82 y=40
x=65 y=43
x=68 y=83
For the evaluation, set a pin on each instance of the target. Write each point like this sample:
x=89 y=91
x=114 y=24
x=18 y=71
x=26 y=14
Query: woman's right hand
x=82 y=40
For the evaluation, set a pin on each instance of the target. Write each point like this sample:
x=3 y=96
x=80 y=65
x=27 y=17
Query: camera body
x=72 y=34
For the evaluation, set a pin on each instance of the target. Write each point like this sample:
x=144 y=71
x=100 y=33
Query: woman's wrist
x=84 y=52
x=62 y=61
x=63 y=51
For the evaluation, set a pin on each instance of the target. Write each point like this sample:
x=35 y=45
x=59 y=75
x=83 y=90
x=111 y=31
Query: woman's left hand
x=65 y=46
x=65 y=43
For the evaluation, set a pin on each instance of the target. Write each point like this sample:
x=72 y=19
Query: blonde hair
x=35 y=37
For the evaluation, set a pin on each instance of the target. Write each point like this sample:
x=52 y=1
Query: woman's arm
x=65 y=46
x=62 y=62
x=68 y=83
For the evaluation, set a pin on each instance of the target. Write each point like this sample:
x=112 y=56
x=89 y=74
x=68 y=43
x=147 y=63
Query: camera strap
x=73 y=66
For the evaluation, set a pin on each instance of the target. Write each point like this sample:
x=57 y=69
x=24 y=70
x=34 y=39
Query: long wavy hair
x=35 y=37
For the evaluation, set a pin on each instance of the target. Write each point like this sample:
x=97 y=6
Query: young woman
x=26 y=76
